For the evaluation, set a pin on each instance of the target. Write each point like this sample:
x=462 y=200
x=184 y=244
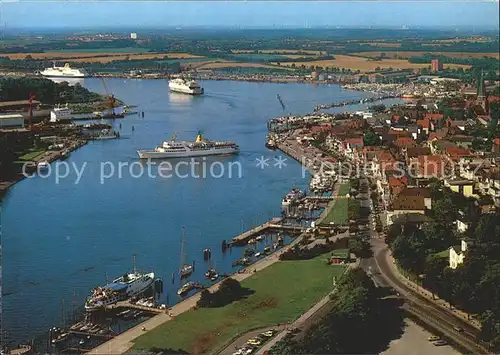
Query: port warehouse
x=11 y=121
x=21 y=107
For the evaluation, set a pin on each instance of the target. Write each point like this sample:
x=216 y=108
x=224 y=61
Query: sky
x=161 y=14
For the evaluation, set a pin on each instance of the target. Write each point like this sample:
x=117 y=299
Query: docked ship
x=61 y=113
x=122 y=288
x=64 y=72
x=292 y=197
x=185 y=86
x=106 y=134
x=183 y=149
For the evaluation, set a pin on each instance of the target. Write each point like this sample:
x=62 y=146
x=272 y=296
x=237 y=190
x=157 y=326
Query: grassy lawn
x=338 y=213
x=443 y=254
x=343 y=189
x=31 y=155
x=283 y=292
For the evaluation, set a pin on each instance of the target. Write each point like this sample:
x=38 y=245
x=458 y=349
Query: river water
x=62 y=238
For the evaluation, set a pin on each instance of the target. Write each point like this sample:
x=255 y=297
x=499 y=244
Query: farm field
x=207 y=329
x=382 y=44
x=280 y=51
x=405 y=55
x=366 y=65
x=98 y=56
x=227 y=64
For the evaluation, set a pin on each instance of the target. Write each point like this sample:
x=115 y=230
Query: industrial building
x=11 y=121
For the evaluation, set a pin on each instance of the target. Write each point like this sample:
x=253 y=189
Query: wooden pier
x=274 y=224
x=127 y=304
x=104 y=336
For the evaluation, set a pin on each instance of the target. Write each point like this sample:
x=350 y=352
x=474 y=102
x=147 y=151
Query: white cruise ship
x=64 y=72
x=127 y=286
x=183 y=149
x=185 y=86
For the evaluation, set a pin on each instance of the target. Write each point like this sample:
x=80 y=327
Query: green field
x=259 y=57
x=283 y=291
x=32 y=155
x=338 y=213
x=343 y=189
x=186 y=60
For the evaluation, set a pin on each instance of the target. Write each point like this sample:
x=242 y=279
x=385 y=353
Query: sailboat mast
x=183 y=252
x=133 y=264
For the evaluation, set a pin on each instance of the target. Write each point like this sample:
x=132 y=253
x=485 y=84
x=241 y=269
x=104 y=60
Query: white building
x=133 y=35
x=457 y=254
x=11 y=121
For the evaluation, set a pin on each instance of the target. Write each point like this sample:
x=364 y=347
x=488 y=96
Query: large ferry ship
x=183 y=149
x=185 y=86
x=64 y=72
x=126 y=286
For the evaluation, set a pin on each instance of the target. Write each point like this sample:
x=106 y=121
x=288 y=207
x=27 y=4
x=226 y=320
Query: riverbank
x=49 y=156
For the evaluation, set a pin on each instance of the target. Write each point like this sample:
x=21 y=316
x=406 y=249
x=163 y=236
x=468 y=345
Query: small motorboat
x=77 y=326
x=42 y=165
x=60 y=338
x=81 y=342
x=260 y=237
x=257 y=254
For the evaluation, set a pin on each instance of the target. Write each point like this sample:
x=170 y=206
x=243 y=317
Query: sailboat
x=185 y=269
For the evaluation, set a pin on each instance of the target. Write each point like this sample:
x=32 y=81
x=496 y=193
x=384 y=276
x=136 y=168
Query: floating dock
x=274 y=225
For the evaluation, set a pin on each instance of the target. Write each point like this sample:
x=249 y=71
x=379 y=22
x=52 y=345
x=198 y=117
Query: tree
x=370 y=138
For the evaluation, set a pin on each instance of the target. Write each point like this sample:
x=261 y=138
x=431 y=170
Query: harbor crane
x=111 y=98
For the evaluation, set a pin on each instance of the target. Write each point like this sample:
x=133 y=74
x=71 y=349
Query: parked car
x=433 y=338
x=458 y=329
x=440 y=343
x=269 y=333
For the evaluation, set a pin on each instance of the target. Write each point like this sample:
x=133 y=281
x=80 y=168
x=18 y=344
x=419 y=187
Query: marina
x=159 y=206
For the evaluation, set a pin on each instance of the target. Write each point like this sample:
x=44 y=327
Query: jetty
x=354 y=102
x=274 y=224
x=127 y=304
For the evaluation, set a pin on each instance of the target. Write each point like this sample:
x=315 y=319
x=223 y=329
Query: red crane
x=111 y=98
x=30 y=102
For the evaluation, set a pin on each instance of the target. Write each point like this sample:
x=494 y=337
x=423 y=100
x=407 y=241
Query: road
x=426 y=310
x=385 y=274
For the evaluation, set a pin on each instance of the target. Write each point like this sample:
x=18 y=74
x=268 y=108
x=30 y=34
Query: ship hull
x=64 y=76
x=136 y=290
x=151 y=154
x=187 y=91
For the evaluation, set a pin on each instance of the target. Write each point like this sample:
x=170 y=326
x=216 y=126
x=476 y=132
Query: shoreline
x=49 y=156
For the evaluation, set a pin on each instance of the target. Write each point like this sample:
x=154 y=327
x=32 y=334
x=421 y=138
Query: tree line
x=352 y=326
x=474 y=285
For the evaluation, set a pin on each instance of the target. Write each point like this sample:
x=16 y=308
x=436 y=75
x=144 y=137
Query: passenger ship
x=185 y=86
x=122 y=288
x=64 y=72
x=184 y=149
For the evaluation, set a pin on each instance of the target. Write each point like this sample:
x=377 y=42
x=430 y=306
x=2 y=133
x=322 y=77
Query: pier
x=127 y=304
x=103 y=336
x=353 y=102
x=274 y=225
